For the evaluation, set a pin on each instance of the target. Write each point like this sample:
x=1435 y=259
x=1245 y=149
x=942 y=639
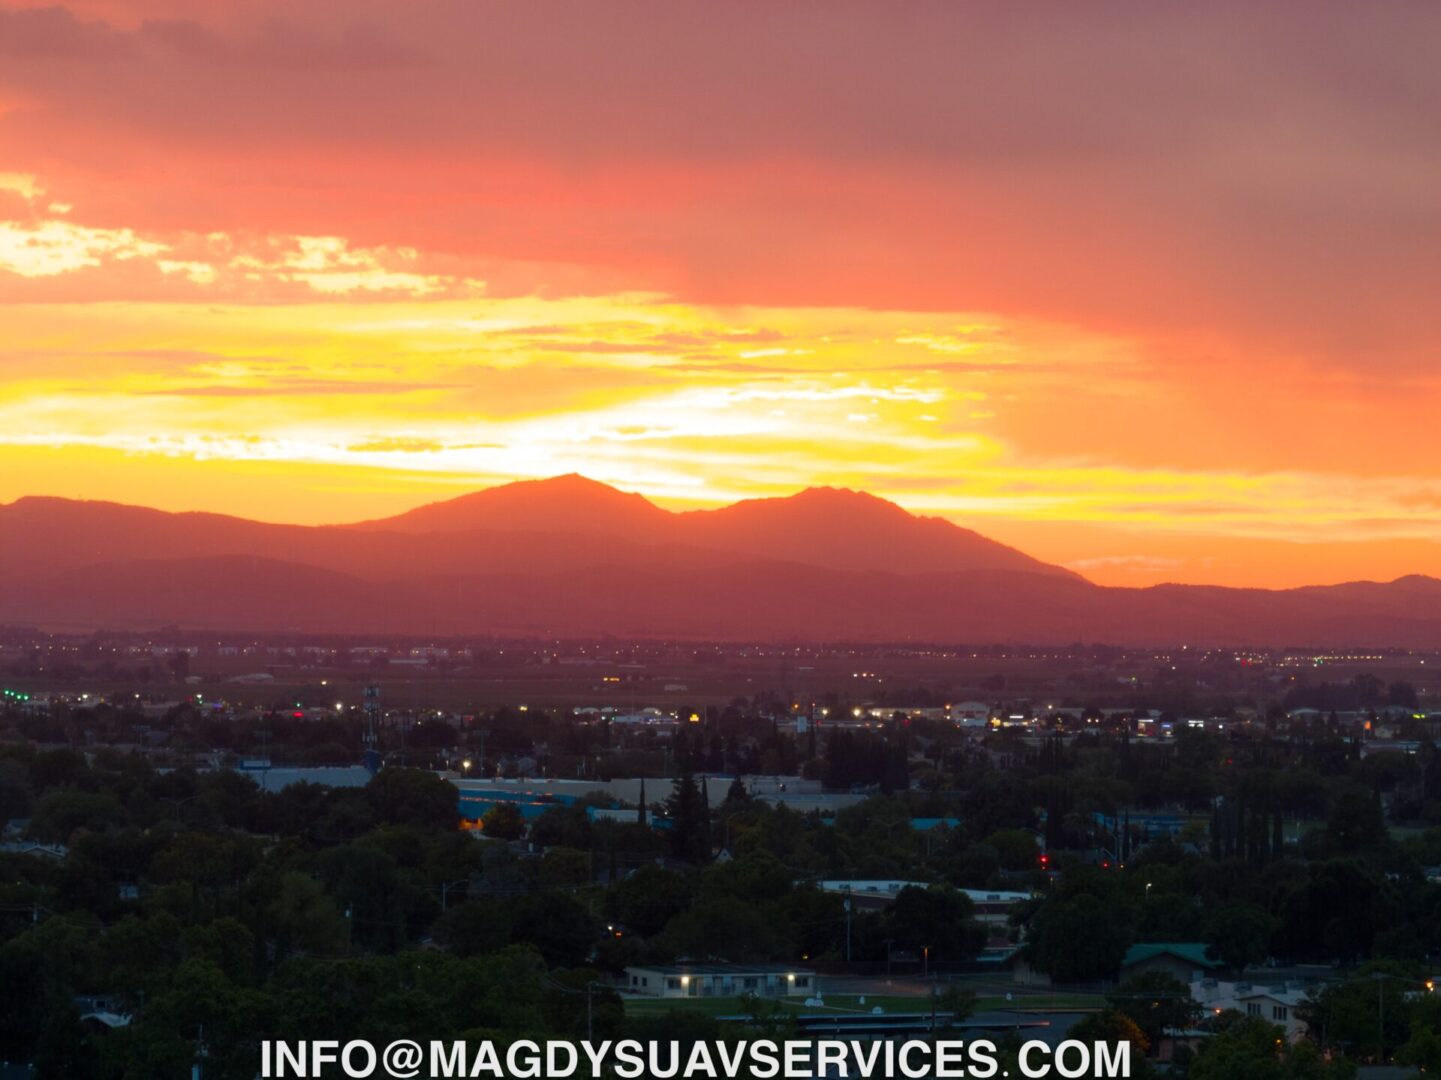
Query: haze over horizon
x=1146 y=292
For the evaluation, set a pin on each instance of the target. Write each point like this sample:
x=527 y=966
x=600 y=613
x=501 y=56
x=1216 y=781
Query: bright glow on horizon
x=376 y=406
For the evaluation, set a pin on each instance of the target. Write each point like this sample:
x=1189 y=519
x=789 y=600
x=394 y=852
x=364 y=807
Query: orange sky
x=1149 y=291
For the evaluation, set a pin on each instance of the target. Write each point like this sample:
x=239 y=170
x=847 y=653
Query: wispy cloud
x=293 y=388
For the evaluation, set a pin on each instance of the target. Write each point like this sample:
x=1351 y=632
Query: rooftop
x=1191 y=951
x=721 y=969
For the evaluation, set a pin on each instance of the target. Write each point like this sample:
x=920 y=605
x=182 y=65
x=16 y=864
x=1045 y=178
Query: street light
x=447 y=886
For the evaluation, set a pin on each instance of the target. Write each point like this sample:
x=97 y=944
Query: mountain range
x=572 y=557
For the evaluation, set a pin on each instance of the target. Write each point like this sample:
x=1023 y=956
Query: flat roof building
x=718 y=980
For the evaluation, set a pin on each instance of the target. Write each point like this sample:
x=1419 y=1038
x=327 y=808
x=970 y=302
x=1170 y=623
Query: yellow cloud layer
x=357 y=380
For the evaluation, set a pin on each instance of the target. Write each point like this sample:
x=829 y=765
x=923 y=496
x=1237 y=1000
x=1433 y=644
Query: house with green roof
x=1184 y=960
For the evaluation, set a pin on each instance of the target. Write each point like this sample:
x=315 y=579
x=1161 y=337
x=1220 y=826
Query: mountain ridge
x=572 y=556
x=821 y=520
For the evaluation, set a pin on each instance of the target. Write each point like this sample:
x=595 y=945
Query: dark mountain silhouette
x=834 y=527
x=41 y=537
x=570 y=503
x=851 y=530
x=573 y=557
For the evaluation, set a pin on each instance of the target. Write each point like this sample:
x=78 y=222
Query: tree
x=1016 y=848
x=737 y=797
x=937 y=919
x=1422 y=1051
x=690 y=821
x=1079 y=938
x=957 y=1001
x=558 y=925
x=413 y=797
x=474 y=927
x=1239 y=934
x=16 y=795
x=503 y=821
x=201 y=1015
x=578 y=1006
x=138 y=955
x=756 y=876
x=1351 y=1013
x=301 y=916
x=1403 y=694
x=1248 y=1048
x=649 y=898
x=725 y=928
x=564 y=867
x=1333 y=915
x=59 y=813
x=386 y=905
x=1111 y=1026
x=1356 y=825
x=1157 y=1002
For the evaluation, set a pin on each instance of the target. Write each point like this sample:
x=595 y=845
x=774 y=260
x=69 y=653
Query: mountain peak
x=571 y=481
x=845 y=529
x=554 y=504
x=845 y=498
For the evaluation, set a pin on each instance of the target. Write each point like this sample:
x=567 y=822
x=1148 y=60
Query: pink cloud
x=1260 y=177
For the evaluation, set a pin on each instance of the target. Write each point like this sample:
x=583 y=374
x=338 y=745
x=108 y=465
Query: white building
x=718 y=980
x=1274 y=1004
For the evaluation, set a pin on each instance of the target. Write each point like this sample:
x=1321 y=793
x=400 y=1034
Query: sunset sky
x=1151 y=290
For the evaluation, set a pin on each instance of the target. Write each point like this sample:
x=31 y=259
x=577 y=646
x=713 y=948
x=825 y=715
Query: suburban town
x=1204 y=853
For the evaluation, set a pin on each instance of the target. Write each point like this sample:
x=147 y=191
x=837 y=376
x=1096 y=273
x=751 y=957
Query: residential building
x=1276 y=1004
x=718 y=980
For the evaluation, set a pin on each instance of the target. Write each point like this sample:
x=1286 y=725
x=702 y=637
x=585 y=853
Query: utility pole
x=1381 y=1017
x=196 y=1069
x=589 y=993
x=846 y=904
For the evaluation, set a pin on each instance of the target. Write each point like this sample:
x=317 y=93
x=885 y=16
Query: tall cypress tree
x=704 y=843
x=689 y=821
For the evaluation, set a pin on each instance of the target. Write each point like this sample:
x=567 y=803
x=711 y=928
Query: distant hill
x=833 y=527
x=570 y=503
x=570 y=556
